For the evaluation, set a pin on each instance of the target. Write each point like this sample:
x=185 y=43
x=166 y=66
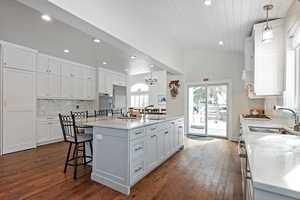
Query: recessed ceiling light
x=67 y=51
x=133 y=57
x=104 y=63
x=221 y=43
x=207 y=2
x=151 y=66
x=46 y=18
x=96 y=40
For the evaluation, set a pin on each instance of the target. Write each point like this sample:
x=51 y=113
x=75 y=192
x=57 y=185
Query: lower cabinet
x=48 y=131
x=122 y=157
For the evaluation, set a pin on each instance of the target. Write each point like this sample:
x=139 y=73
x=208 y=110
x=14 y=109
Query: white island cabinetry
x=127 y=151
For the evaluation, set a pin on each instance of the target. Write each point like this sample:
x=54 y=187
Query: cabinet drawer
x=138 y=133
x=152 y=129
x=138 y=149
x=137 y=171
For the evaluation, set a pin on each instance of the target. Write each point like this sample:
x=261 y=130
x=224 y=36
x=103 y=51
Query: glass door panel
x=217 y=110
x=197 y=110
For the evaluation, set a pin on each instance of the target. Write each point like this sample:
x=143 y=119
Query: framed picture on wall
x=162 y=100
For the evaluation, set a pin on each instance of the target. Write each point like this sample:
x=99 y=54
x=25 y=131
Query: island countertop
x=128 y=124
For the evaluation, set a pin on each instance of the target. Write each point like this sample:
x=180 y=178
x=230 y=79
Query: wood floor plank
x=204 y=170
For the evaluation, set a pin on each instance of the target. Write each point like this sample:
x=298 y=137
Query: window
x=139 y=96
x=291 y=96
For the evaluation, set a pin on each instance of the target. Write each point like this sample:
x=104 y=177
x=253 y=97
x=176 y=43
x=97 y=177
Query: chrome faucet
x=297 y=124
x=150 y=106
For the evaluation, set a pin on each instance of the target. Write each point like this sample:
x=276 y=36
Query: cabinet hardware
x=152 y=129
x=138 y=169
x=138 y=133
x=166 y=132
x=138 y=148
x=179 y=126
x=152 y=136
x=172 y=122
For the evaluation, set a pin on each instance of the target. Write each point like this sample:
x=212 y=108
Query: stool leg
x=84 y=155
x=68 y=157
x=91 y=147
x=75 y=166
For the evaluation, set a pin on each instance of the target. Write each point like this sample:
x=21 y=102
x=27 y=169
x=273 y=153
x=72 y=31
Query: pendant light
x=151 y=81
x=267 y=35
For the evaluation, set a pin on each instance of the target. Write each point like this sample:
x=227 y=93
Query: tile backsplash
x=51 y=108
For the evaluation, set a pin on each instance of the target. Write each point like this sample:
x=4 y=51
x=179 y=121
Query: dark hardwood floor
x=204 y=170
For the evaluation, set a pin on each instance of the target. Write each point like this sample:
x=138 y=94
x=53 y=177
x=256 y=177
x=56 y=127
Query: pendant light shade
x=267 y=35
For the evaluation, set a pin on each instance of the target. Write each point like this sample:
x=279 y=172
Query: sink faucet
x=150 y=106
x=297 y=124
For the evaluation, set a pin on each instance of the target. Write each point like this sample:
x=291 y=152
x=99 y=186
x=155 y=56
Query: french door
x=208 y=110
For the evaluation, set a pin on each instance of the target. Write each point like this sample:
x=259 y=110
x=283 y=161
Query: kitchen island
x=125 y=151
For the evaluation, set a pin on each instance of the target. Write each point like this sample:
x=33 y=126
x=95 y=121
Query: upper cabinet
x=269 y=60
x=18 y=57
x=107 y=79
x=62 y=79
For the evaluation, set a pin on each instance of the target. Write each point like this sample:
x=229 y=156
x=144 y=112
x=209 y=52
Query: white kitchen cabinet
x=153 y=147
x=107 y=79
x=167 y=140
x=48 y=77
x=19 y=112
x=48 y=131
x=18 y=57
x=269 y=60
x=133 y=153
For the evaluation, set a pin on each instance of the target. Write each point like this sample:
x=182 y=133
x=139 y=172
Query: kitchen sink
x=269 y=130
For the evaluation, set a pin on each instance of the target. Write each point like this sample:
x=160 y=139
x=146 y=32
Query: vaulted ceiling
x=195 y=25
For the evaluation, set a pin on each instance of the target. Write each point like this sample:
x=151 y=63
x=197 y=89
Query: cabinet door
x=180 y=134
x=66 y=87
x=101 y=82
x=269 y=60
x=42 y=132
x=152 y=150
x=42 y=84
x=18 y=57
x=167 y=141
x=19 y=93
x=54 y=66
x=43 y=63
x=54 y=85
x=90 y=88
x=55 y=131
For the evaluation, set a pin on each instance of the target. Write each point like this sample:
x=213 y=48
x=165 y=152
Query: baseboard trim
x=110 y=183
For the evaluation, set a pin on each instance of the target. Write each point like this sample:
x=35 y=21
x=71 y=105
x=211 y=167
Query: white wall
x=216 y=66
x=175 y=105
x=159 y=89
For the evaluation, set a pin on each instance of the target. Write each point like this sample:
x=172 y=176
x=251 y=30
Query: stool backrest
x=116 y=112
x=99 y=113
x=68 y=126
x=81 y=116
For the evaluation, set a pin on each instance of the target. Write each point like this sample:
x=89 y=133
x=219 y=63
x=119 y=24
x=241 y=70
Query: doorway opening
x=208 y=109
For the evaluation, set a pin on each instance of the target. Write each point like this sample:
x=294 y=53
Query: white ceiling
x=195 y=25
x=190 y=23
x=28 y=29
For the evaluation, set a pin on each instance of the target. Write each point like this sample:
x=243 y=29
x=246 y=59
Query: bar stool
x=72 y=136
x=117 y=112
x=81 y=117
x=101 y=113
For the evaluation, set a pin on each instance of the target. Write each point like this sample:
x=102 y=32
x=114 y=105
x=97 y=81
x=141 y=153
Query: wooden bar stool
x=72 y=136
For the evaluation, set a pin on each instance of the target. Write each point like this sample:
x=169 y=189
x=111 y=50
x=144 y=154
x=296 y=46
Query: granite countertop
x=274 y=159
x=127 y=124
